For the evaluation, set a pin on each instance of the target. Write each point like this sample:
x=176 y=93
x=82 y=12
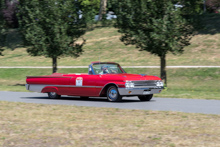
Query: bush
x=213 y=6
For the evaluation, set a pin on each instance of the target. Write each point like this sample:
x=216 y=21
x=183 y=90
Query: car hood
x=130 y=77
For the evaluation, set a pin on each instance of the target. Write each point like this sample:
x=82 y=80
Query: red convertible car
x=104 y=79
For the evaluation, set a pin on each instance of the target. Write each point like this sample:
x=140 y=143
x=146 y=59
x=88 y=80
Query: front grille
x=142 y=84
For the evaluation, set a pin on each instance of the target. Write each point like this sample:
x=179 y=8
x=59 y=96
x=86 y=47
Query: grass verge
x=41 y=125
x=182 y=83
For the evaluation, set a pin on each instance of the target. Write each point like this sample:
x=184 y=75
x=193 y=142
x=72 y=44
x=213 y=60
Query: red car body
x=114 y=84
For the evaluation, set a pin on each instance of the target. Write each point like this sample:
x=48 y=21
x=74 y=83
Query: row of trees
x=8 y=19
x=51 y=28
x=2 y=26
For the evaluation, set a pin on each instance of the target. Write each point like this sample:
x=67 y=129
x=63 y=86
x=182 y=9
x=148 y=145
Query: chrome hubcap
x=53 y=93
x=112 y=93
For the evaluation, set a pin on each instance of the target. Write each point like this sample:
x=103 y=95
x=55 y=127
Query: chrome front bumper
x=138 y=91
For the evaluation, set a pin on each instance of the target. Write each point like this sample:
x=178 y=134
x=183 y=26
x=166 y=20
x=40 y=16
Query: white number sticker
x=79 y=81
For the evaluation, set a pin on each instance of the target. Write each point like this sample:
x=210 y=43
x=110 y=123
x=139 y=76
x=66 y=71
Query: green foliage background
x=155 y=26
x=2 y=27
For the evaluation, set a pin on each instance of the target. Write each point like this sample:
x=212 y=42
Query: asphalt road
x=161 y=104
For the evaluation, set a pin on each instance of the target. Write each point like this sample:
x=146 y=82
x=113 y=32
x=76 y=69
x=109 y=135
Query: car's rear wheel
x=53 y=95
x=113 y=94
x=145 y=97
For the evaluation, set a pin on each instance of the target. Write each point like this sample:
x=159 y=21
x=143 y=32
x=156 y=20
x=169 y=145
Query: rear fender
x=50 y=89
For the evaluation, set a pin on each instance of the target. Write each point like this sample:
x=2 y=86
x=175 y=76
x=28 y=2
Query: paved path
x=162 y=104
x=122 y=66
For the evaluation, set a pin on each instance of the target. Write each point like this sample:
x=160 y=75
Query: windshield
x=107 y=68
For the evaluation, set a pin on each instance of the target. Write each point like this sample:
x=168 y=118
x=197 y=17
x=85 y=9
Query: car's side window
x=91 y=70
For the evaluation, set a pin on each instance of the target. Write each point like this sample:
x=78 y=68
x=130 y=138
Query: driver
x=104 y=69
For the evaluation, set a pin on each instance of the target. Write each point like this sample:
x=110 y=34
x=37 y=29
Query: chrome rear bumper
x=34 y=87
x=27 y=86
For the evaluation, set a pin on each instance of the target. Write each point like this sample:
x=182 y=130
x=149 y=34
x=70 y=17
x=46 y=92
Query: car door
x=83 y=85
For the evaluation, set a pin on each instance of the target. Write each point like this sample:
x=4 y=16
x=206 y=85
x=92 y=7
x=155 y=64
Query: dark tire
x=145 y=97
x=113 y=94
x=53 y=95
x=84 y=97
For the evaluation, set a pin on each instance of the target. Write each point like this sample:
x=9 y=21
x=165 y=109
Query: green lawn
x=182 y=83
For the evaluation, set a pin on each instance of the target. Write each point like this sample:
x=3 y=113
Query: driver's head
x=104 y=68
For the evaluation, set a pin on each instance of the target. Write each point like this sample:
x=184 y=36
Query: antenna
x=99 y=52
x=133 y=64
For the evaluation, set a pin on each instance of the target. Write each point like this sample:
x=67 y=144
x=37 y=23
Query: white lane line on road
x=122 y=66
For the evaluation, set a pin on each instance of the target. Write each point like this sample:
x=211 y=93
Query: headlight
x=129 y=84
x=159 y=84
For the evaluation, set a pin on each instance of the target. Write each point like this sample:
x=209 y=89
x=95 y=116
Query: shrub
x=213 y=6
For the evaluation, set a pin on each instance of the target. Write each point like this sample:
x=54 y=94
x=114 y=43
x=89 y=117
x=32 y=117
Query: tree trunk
x=163 y=73
x=102 y=10
x=54 y=64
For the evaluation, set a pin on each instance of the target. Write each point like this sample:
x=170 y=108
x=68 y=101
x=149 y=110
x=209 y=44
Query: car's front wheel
x=113 y=94
x=145 y=97
x=53 y=95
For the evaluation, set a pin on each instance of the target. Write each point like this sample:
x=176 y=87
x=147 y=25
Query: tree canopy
x=9 y=13
x=95 y=4
x=51 y=28
x=154 y=26
x=89 y=8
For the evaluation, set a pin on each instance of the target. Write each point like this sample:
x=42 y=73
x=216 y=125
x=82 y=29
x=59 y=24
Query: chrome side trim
x=39 y=87
x=69 y=86
x=46 y=76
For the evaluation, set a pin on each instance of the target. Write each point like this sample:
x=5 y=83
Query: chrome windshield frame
x=93 y=71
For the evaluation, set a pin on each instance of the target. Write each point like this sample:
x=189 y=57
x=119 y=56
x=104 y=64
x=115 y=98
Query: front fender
x=117 y=84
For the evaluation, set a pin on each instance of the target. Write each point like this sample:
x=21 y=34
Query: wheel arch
x=50 y=89
x=103 y=92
